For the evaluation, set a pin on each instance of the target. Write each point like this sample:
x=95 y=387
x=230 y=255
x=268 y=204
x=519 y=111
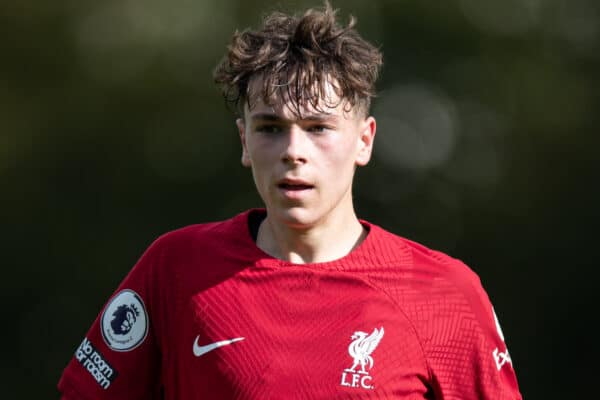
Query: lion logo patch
x=125 y=321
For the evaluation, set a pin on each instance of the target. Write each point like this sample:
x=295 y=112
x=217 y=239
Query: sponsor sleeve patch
x=89 y=357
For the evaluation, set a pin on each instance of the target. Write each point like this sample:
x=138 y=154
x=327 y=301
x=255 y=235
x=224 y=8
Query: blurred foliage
x=113 y=133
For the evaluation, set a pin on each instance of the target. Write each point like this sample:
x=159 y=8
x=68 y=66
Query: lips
x=294 y=185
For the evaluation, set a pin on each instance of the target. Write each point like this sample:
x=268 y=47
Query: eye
x=269 y=128
x=319 y=128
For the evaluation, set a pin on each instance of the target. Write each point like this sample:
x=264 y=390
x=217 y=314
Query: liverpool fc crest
x=360 y=349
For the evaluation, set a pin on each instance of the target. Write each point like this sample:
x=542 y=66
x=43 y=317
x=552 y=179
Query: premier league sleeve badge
x=124 y=321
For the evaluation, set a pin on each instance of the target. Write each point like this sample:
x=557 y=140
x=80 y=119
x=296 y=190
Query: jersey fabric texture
x=206 y=314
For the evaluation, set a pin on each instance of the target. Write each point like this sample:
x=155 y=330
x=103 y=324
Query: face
x=303 y=166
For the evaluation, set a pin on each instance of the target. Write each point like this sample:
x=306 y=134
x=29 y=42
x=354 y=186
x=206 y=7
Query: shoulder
x=413 y=256
x=454 y=320
x=192 y=257
x=199 y=249
x=445 y=267
x=200 y=237
x=431 y=286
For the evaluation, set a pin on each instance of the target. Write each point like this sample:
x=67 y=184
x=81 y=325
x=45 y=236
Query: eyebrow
x=266 y=117
x=276 y=118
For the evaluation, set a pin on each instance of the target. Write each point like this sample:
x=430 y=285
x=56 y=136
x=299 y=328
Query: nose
x=296 y=145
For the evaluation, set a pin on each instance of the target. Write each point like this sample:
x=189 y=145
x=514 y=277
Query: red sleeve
x=468 y=357
x=119 y=357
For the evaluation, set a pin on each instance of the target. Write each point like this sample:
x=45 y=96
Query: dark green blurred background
x=113 y=133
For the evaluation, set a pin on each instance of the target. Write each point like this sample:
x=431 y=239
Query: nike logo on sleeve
x=201 y=350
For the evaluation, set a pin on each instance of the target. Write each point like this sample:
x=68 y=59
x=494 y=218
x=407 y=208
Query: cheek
x=340 y=154
x=260 y=161
x=262 y=150
x=259 y=158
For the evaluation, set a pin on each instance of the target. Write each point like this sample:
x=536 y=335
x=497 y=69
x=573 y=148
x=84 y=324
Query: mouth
x=291 y=187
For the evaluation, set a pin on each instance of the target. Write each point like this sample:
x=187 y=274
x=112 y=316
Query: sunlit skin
x=303 y=168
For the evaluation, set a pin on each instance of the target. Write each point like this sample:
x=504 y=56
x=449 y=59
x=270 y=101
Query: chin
x=294 y=217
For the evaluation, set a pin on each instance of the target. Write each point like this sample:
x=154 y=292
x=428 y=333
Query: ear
x=365 y=141
x=242 y=130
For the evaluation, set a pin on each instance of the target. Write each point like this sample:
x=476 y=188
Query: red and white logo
x=361 y=348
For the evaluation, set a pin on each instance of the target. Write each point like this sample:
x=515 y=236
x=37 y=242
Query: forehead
x=287 y=103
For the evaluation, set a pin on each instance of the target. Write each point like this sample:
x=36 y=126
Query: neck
x=323 y=242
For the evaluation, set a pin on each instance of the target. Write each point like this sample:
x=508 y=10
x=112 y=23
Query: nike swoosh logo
x=201 y=350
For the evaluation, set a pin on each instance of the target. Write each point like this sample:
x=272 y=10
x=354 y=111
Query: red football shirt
x=206 y=314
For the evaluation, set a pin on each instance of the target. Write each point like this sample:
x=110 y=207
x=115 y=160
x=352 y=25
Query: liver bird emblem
x=361 y=348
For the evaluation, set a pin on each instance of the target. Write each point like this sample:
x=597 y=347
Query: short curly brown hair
x=296 y=57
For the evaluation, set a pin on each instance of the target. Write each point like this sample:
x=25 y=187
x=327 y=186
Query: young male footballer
x=301 y=299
